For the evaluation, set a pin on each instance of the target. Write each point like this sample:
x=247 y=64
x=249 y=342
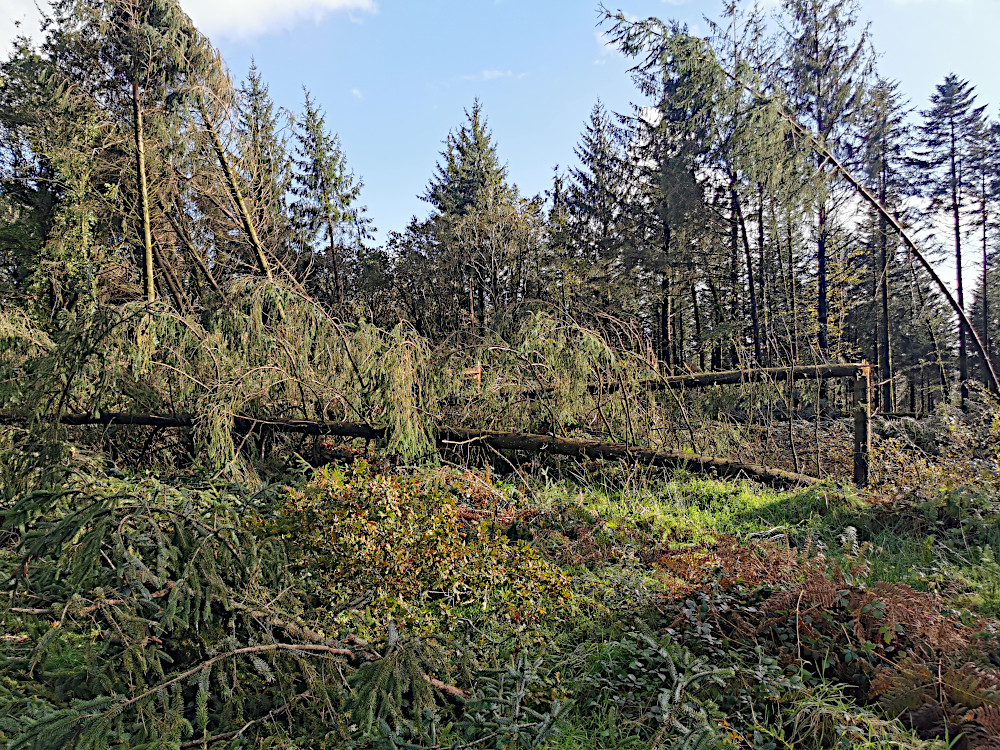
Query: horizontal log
x=726 y=377
x=762 y=375
x=453 y=437
x=241 y=424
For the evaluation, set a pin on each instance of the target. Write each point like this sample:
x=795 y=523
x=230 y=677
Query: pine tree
x=265 y=162
x=470 y=173
x=325 y=208
x=826 y=77
x=949 y=133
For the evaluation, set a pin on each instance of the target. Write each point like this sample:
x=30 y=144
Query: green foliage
x=147 y=613
x=401 y=545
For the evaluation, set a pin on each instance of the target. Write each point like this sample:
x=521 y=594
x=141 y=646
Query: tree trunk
x=963 y=355
x=335 y=256
x=237 y=195
x=143 y=188
x=754 y=311
x=887 y=400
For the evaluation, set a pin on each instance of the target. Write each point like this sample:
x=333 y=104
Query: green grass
x=949 y=543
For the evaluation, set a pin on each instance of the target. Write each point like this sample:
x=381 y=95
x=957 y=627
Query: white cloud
x=491 y=75
x=233 y=19
x=356 y=93
x=251 y=18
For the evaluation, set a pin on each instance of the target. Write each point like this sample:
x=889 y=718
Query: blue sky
x=395 y=75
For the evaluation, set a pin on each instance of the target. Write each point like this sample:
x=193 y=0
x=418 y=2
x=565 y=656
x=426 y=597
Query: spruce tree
x=826 y=76
x=265 y=161
x=949 y=133
x=326 y=213
x=470 y=173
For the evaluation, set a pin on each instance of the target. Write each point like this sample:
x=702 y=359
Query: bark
x=237 y=195
x=887 y=400
x=727 y=377
x=335 y=256
x=754 y=309
x=240 y=424
x=963 y=354
x=449 y=437
x=138 y=131
x=619 y=452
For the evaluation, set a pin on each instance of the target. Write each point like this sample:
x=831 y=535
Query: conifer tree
x=325 y=208
x=595 y=200
x=949 y=133
x=826 y=76
x=265 y=161
x=470 y=173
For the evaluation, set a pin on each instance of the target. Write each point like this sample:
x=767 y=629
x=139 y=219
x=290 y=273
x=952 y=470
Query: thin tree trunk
x=963 y=355
x=142 y=185
x=754 y=311
x=192 y=250
x=765 y=298
x=237 y=195
x=734 y=255
x=696 y=307
x=335 y=255
x=986 y=298
x=888 y=400
x=822 y=313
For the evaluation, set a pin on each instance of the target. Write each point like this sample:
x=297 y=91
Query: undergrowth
x=375 y=605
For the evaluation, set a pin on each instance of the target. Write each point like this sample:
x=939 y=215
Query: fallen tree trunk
x=725 y=377
x=450 y=437
x=454 y=437
x=240 y=424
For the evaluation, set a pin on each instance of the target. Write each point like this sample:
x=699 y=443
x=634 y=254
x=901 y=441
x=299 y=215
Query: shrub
x=404 y=546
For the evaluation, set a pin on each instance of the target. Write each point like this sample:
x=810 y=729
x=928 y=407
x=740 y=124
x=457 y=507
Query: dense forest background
x=267 y=483
x=701 y=219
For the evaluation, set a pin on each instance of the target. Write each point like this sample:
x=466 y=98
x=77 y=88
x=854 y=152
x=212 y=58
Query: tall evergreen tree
x=470 y=173
x=265 y=162
x=596 y=200
x=949 y=133
x=326 y=208
x=826 y=76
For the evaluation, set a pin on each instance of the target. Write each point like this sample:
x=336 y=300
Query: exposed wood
x=592 y=449
x=143 y=189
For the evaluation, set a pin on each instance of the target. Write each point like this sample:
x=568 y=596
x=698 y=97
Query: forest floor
x=565 y=605
x=678 y=611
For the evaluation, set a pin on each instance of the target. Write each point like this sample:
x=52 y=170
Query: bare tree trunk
x=754 y=312
x=237 y=195
x=888 y=400
x=335 y=255
x=963 y=354
x=986 y=288
x=143 y=188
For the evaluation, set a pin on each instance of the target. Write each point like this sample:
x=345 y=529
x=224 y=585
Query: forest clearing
x=698 y=449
